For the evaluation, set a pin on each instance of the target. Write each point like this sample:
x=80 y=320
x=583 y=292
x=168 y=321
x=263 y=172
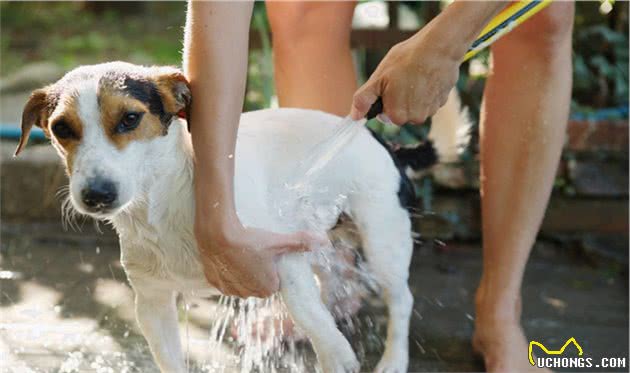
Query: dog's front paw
x=337 y=356
x=391 y=368
x=392 y=363
x=341 y=365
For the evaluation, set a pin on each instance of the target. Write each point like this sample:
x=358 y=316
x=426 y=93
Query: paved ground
x=65 y=306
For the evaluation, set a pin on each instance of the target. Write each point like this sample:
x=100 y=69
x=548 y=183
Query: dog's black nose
x=99 y=193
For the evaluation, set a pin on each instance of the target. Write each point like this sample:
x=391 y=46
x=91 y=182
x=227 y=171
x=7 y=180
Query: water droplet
x=422 y=350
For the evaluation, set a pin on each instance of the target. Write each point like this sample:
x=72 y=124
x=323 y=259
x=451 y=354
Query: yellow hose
x=504 y=22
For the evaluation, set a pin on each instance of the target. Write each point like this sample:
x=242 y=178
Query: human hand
x=241 y=261
x=416 y=76
x=413 y=80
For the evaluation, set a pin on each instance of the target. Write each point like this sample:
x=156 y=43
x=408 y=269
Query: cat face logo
x=553 y=352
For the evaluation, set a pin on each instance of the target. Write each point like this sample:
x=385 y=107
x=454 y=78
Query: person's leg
x=523 y=121
x=312 y=62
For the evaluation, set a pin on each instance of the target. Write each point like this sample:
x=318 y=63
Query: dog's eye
x=129 y=122
x=62 y=130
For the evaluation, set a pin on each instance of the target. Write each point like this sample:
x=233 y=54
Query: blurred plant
x=600 y=67
x=260 y=84
x=74 y=33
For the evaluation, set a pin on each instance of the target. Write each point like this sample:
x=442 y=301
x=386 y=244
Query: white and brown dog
x=129 y=159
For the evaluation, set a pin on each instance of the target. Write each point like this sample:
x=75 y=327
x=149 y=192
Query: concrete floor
x=65 y=306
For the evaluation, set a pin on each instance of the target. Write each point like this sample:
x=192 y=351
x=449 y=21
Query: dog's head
x=105 y=122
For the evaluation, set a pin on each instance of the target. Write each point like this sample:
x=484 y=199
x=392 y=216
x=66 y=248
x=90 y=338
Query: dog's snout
x=99 y=193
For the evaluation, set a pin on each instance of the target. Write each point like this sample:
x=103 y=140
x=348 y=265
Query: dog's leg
x=302 y=298
x=385 y=230
x=157 y=316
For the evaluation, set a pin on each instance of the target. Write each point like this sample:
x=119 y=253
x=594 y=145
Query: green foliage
x=600 y=76
x=260 y=84
x=71 y=33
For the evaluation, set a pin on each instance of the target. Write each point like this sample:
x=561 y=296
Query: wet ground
x=65 y=306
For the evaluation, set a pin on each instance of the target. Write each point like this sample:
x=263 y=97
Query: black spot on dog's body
x=417 y=158
x=406 y=190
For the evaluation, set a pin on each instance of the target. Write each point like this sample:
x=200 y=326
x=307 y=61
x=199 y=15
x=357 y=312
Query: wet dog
x=119 y=129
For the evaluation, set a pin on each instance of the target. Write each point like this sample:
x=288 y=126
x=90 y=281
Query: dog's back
x=272 y=143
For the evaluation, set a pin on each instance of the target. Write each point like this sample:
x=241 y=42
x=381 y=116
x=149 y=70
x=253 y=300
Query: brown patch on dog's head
x=65 y=129
x=175 y=91
x=156 y=95
x=35 y=113
x=116 y=107
x=57 y=117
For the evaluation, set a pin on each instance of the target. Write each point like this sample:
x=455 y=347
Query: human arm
x=416 y=75
x=237 y=260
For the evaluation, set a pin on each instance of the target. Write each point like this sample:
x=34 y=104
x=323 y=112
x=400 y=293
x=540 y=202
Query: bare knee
x=545 y=32
x=293 y=22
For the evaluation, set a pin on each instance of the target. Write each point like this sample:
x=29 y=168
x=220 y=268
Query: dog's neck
x=166 y=200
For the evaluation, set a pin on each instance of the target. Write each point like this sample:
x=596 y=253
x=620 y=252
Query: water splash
x=320 y=155
x=262 y=337
x=256 y=327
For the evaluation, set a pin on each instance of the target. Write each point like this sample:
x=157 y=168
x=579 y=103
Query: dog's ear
x=175 y=92
x=35 y=113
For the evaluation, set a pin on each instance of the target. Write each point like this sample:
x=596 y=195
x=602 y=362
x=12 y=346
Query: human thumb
x=298 y=242
x=363 y=99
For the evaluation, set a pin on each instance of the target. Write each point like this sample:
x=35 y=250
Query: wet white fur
x=154 y=220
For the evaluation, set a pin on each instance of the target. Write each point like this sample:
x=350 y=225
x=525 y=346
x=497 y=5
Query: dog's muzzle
x=99 y=194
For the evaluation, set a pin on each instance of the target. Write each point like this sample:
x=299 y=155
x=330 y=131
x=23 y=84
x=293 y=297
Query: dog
x=121 y=131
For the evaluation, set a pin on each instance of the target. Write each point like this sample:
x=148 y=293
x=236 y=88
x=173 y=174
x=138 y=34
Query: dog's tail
x=449 y=134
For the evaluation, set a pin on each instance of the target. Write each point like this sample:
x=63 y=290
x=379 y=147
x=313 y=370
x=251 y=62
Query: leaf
x=602 y=65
